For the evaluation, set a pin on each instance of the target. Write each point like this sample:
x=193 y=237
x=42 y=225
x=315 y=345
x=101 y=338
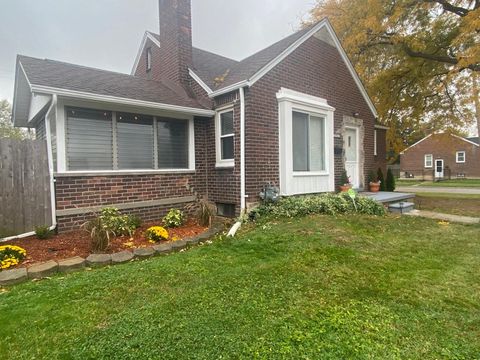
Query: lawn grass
x=461 y=183
x=456 y=204
x=312 y=288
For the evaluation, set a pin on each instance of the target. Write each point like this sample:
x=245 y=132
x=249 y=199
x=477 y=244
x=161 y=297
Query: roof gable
x=436 y=135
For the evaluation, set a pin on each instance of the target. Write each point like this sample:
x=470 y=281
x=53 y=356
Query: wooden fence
x=24 y=186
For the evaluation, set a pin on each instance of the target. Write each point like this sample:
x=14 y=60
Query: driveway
x=448 y=190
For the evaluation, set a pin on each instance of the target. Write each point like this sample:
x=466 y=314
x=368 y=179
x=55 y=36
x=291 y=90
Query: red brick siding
x=441 y=146
x=154 y=73
x=315 y=68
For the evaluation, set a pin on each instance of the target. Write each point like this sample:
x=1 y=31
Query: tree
x=6 y=126
x=390 y=182
x=419 y=60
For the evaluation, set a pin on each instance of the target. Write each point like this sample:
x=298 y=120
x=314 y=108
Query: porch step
x=401 y=207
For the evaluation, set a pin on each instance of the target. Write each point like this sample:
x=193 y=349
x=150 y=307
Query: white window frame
x=223 y=163
x=62 y=168
x=293 y=182
x=464 y=157
x=375 y=142
x=426 y=161
x=148 y=55
x=324 y=119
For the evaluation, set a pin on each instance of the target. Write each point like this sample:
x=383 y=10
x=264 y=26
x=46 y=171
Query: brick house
x=187 y=123
x=442 y=155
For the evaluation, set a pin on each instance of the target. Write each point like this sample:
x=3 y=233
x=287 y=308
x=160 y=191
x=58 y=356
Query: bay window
x=104 y=141
x=308 y=142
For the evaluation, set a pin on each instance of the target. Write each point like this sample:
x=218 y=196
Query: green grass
x=456 y=204
x=466 y=183
x=312 y=288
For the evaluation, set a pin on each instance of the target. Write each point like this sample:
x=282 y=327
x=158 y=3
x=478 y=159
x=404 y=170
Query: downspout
x=243 y=206
x=50 y=161
x=242 y=151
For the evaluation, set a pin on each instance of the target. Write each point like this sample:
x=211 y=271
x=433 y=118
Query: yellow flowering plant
x=11 y=255
x=156 y=234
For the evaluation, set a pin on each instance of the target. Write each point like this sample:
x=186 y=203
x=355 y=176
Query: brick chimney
x=175 y=40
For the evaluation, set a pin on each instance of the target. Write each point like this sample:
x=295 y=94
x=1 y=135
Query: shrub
x=390 y=182
x=344 y=179
x=156 y=234
x=205 y=212
x=11 y=255
x=330 y=204
x=381 y=178
x=43 y=232
x=117 y=223
x=174 y=218
x=372 y=178
x=108 y=224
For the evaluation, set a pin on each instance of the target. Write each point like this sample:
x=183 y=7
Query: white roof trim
x=120 y=100
x=324 y=23
x=466 y=140
x=147 y=36
x=382 y=127
x=15 y=91
x=200 y=81
x=300 y=98
x=418 y=142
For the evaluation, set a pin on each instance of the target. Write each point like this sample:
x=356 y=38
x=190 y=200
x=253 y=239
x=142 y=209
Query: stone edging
x=49 y=268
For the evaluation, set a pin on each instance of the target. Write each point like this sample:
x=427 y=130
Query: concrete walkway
x=448 y=190
x=444 y=217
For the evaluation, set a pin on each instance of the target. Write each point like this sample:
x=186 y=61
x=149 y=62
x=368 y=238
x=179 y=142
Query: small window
x=429 y=161
x=460 y=157
x=149 y=58
x=225 y=139
x=226 y=210
x=308 y=142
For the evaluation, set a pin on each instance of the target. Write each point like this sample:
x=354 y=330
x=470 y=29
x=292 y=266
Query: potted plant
x=345 y=184
x=373 y=182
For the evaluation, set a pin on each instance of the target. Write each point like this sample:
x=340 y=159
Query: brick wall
x=317 y=69
x=154 y=73
x=445 y=147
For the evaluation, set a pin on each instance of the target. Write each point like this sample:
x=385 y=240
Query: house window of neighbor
x=460 y=156
x=225 y=138
x=308 y=142
x=149 y=58
x=428 y=160
x=103 y=140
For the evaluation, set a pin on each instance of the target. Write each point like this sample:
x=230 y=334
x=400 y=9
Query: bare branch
x=460 y=11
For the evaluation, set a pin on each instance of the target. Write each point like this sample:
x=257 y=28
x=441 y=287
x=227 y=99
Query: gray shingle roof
x=476 y=140
x=67 y=76
x=209 y=66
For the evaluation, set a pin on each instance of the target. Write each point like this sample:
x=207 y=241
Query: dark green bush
x=330 y=204
x=390 y=182
x=381 y=178
x=43 y=232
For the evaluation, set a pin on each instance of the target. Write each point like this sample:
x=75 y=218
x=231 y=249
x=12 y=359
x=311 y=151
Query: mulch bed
x=78 y=243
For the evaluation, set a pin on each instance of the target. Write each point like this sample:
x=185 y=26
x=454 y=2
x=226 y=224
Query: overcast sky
x=107 y=33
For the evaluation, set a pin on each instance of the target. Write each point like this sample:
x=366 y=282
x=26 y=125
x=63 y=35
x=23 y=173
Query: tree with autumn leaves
x=419 y=60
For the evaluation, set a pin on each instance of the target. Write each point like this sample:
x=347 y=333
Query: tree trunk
x=476 y=98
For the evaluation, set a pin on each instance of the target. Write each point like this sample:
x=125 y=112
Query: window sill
x=122 y=172
x=225 y=165
x=310 y=173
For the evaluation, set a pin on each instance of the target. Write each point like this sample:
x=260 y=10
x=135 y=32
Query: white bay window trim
x=223 y=163
x=62 y=168
x=304 y=182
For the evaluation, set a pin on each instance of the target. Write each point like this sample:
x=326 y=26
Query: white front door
x=352 y=156
x=439 y=169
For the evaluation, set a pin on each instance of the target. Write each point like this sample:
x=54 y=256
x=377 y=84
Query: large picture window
x=102 y=140
x=225 y=138
x=308 y=142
